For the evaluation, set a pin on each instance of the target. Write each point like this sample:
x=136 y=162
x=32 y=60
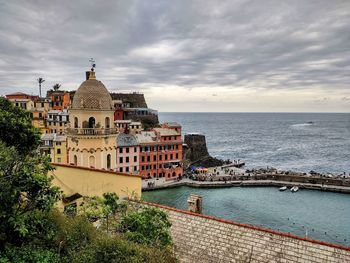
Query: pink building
x=128 y=151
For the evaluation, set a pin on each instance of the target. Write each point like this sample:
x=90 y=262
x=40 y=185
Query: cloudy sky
x=185 y=55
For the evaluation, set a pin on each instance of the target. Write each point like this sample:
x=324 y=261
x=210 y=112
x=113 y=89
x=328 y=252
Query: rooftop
x=126 y=140
x=146 y=137
x=166 y=132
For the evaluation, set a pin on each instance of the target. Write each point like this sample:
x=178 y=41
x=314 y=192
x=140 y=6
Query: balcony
x=91 y=131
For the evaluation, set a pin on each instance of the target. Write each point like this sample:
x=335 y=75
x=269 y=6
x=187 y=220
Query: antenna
x=93 y=65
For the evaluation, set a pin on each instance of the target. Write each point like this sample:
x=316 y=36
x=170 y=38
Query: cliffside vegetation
x=105 y=229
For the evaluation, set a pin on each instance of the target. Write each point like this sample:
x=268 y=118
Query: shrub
x=149 y=226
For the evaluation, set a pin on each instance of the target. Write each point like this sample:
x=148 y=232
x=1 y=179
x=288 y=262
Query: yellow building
x=91 y=137
x=77 y=182
x=38 y=119
x=55 y=146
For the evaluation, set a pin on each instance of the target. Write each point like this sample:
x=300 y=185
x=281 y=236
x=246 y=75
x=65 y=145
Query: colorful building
x=59 y=99
x=57 y=121
x=128 y=151
x=161 y=152
x=55 y=146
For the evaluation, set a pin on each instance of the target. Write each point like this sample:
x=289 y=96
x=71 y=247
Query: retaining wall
x=200 y=238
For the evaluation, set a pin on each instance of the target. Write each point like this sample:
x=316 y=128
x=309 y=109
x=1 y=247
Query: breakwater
x=247 y=183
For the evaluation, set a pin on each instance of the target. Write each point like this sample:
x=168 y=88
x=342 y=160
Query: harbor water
x=319 y=215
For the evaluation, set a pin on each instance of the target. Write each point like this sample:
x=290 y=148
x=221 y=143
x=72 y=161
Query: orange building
x=59 y=99
x=161 y=152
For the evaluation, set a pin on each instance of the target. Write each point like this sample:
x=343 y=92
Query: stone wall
x=136 y=100
x=199 y=238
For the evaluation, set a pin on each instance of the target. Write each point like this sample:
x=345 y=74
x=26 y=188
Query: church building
x=91 y=137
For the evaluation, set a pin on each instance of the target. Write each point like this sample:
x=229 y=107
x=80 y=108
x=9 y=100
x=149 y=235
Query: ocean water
x=290 y=141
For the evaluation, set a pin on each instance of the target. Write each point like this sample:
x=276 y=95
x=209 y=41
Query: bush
x=149 y=226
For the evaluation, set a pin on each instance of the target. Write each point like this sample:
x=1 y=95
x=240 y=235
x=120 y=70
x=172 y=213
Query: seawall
x=262 y=183
x=200 y=238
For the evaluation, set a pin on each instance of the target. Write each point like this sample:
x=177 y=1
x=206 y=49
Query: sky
x=185 y=55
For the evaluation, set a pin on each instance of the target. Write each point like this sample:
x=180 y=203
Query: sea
x=288 y=141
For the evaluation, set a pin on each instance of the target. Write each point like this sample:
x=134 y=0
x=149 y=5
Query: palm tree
x=56 y=87
x=40 y=81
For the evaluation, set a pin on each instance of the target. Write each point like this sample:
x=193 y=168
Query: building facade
x=161 y=152
x=91 y=137
x=128 y=151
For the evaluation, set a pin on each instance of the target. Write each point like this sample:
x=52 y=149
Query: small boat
x=294 y=189
x=283 y=188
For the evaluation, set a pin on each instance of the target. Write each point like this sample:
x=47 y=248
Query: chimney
x=195 y=204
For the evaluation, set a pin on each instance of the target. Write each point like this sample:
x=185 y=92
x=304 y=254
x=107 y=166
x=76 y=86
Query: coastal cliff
x=196 y=152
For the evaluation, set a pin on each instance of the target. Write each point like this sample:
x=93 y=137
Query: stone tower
x=91 y=136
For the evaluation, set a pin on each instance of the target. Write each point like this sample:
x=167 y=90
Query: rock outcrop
x=196 y=152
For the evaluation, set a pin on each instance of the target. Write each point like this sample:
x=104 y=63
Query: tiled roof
x=126 y=140
x=166 y=132
x=146 y=137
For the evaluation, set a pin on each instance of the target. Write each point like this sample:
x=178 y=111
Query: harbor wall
x=199 y=238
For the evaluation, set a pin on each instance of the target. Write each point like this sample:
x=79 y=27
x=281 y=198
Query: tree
x=26 y=194
x=16 y=128
x=56 y=87
x=40 y=81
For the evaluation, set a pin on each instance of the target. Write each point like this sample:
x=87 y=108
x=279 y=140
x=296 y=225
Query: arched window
x=107 y=125
x=92 y=122
x=76 y=122
x=75 y=160
x=174 y=174
x=108 y=161
x=92 y=161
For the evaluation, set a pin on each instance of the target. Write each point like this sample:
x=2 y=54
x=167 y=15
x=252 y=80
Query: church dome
x=92 y=94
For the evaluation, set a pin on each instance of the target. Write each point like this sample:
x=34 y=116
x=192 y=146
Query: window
x=154 y=166
x=75 y=122
x=120 y=159
x=148 y=158
x=127 y=159
x=135 y=158
x=121 y=169
x=108 y=161
x=92 y=122
x=92 y=161
x=127 y=149
x=75 y=160
x=171 y=156
x=135 y=168
x=127 y=169
x=166 y=157
x=120 y=150
x=58 y=160
x=143 y=158
x=160 y=157
x=135 y=149
x=58 y=151
x=177 y=156
x=142 y=167
x=107 y=123
x=154 y=158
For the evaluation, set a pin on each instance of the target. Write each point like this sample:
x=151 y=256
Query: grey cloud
x=252 y=44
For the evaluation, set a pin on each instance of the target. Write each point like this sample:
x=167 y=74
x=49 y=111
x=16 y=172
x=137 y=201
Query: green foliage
x=29 y=253
x=16 y=128
x=56 y=87
x=26 y=196
x=149 y=226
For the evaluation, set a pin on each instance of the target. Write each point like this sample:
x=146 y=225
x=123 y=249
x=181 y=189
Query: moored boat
x=294 y=189
x=283 y=188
